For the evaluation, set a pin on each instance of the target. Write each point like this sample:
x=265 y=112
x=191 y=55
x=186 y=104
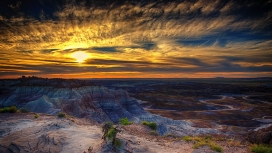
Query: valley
x=231 y=105
x=228 y=112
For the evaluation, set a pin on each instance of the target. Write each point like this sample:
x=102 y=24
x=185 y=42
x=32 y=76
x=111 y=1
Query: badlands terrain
x=230 y=113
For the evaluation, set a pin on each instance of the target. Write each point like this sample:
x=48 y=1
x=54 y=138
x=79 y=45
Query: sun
x=80 y=56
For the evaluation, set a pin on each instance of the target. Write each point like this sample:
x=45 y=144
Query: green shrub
x=261 y=149
x=24 y=110
x=153 y=126
x=124 y=121
x=4 y=110
x=12 y=109
x=111 y=133
x=145 y=123
x=36 y=116
x=60 y=115
x=105 y=129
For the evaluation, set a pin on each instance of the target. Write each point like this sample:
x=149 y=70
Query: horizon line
x=32 y=77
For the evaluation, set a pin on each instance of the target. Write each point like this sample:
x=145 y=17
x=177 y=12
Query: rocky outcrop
x=262 y=134
x=100 y=103
x=22 y=133
x=95 y=102
x=34 y=139
x=42 y=105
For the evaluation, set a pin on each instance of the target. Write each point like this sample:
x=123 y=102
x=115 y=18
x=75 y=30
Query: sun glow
x=80 y=56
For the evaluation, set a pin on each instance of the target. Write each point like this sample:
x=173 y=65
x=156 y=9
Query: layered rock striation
x=95 y=102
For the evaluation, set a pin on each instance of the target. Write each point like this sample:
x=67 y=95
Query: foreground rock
x=92 y=102
x=20 y=132
x=23 y=133
x=261 y=134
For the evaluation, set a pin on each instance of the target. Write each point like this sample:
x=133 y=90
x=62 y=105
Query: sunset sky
x=135 y=38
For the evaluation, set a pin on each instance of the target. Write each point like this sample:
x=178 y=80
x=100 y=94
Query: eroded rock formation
x=95 y=102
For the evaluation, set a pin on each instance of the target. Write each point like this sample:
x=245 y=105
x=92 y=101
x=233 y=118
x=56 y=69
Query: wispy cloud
x=131 y=36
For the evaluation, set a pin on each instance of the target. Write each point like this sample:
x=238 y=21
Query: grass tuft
x=261 y=148
x=215 y=147
x=187 y=138
x=200 y=144
x=12 y=109
x=203 y=141
x=151 y=125
x=125 y=121
x=36 y=116
x=145 y=123
x=60 y=115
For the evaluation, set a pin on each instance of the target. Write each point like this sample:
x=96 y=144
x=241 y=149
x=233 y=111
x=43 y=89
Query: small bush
x=4 y=110
x=151 y=125
x=145 y=123
x=261 y=149
x=105 y=129
x=111 y=133
x=36 y=116
x=124 y=121
x=24 y=110
x=12 y=109
x=60 y=115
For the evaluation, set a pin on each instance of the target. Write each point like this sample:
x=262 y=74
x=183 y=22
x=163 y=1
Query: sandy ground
x=20 y=132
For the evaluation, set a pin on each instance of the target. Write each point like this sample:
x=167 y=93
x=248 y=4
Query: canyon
x=90 y=103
